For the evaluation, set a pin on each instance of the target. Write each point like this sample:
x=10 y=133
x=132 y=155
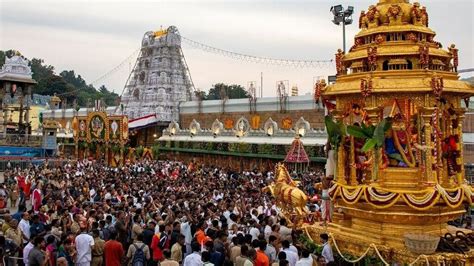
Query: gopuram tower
x=160 y=78
x=399 y=175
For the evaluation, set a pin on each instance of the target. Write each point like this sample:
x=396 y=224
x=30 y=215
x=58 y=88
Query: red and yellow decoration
x=101 y=136
x=382 y=198
x=228 y=123
x=286 y=123
x=255 y=122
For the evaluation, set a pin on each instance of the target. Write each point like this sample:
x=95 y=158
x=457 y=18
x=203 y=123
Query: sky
x=93 y=37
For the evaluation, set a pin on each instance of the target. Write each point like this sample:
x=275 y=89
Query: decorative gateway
x=100 y=136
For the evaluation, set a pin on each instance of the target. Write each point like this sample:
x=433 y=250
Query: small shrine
x=16 y=84
x=297 y=159
x=101 y=136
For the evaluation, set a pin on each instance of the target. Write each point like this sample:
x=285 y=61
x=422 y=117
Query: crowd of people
x=148 y=213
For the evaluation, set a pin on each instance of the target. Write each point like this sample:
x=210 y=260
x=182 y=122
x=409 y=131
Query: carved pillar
x=373 y=113
x=461 y=115
x=341 y=156
x=27 y=117
x=430 y=175
x=20 y=117
x=353 y=176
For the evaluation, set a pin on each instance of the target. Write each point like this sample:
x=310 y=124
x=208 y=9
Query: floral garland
x=372 y=57
x=318 y=89
x=366 y=87
x=339 y=65
x=424 y=55
x=382 y=199
x=437 y=85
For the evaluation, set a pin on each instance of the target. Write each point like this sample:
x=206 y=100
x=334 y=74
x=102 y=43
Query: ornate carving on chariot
x=395 y=136
x=290 y=199
x=395 y=14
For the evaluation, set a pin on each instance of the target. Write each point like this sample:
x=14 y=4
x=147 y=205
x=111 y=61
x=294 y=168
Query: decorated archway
x=101 y=136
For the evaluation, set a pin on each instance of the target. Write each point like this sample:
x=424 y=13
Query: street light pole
x=344 y=36
x=343 y=16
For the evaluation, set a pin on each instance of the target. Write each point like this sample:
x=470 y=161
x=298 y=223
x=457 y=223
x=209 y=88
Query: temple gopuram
x=396 y=133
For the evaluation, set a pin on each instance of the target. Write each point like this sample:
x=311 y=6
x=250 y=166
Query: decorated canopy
x=297 y=154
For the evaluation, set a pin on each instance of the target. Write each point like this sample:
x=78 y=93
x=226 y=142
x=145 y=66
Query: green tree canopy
x=231 y=91
x=68 y=84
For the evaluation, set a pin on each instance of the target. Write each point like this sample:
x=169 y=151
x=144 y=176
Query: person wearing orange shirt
x=200 y=235
x=262 y=259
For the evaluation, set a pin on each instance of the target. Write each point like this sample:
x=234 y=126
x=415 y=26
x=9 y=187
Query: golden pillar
x=339 y=176
x=353 y=178
x=430 y=175
x=374 y=115
x=461 y=115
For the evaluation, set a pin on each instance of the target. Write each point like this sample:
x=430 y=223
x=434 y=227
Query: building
x=158 y=83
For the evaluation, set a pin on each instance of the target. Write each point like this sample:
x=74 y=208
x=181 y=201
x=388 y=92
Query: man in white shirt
x=84 y=243
x=291 y=256
x=24 y=226
x=26 y=252
x=254 y=232
x=306 y=260
x=188 y=237
x=193 y=259
x=270 y=251
x=327 y=250
x=285 y=232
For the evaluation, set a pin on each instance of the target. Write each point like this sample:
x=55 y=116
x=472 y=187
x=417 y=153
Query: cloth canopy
x=297 y=154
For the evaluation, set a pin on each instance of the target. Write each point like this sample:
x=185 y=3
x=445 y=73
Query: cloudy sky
x=92 y=37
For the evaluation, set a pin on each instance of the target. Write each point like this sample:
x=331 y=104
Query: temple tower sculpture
x=160 y=79
x=399 y=167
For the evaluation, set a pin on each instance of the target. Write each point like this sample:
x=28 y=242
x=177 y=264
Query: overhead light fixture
x=344 y=17
x=336 y=9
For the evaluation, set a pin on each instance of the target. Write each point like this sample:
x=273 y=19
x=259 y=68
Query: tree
x=230 y=91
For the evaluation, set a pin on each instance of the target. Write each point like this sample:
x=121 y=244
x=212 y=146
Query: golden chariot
x=398 y=146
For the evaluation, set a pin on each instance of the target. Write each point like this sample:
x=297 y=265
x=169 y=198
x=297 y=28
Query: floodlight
x=344 y=17
x=336 y=10
x=349 y=11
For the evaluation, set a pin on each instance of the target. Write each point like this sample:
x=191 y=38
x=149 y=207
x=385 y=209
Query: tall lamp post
x=344 y=17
